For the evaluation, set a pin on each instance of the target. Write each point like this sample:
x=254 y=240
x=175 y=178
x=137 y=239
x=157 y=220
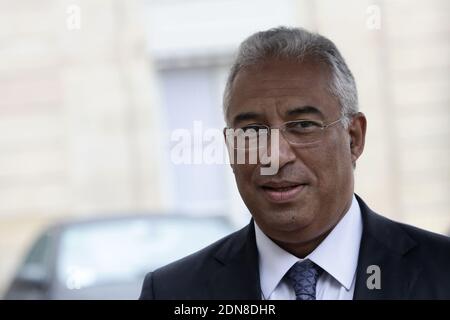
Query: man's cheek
x=243 y=175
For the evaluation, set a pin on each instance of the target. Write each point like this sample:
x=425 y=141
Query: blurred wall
x=77 y=123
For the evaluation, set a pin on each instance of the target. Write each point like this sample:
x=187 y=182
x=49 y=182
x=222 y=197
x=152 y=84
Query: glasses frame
x=283 y=126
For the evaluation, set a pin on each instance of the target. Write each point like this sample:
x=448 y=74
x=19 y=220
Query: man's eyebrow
x=296 y=111
x=245 y=116
x=299 y=111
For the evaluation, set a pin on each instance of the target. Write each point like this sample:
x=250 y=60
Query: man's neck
x=303 y=249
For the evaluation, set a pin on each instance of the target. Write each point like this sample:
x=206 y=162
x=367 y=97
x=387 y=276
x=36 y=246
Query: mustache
x=284 y=178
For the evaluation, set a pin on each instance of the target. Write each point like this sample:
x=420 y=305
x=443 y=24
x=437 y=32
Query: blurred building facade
x=77 y=123
x=91 y=90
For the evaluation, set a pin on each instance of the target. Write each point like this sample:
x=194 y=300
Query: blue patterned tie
x=303 y=276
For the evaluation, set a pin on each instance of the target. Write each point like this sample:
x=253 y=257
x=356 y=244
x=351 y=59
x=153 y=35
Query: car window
x=39 y=253
x=119 y=251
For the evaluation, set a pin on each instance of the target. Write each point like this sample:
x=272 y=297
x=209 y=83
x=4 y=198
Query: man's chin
x=290 y=220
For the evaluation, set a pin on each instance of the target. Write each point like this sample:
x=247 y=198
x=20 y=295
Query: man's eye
x=303 y=125
x=255 y=128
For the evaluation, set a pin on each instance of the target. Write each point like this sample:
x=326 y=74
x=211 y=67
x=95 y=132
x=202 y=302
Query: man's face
x=314 y=184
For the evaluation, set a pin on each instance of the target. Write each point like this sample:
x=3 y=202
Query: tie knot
x=303 y=276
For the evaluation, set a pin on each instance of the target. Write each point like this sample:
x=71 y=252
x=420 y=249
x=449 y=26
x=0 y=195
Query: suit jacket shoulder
x=215 y=272
x=413 y=263
x=432 y=244
x=433 y=256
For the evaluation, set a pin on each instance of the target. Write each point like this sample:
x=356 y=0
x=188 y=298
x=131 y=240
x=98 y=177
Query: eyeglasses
x=297 y=132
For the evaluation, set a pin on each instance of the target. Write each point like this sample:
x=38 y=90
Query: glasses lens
x=247 y=138
x=303 y=131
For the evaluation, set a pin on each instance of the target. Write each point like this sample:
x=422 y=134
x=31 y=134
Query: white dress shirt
x=337 y=255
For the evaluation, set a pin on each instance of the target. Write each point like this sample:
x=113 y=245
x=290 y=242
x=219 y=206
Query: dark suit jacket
x=414 y=264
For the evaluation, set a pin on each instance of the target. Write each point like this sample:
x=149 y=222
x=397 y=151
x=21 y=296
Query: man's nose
x=286 y=151
x=281 y=149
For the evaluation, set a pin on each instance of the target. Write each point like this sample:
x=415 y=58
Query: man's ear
x=357 y=131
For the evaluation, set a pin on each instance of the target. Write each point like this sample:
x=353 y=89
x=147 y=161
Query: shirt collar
x=337 y=254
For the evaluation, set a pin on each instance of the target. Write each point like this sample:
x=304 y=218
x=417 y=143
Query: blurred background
x=90 y=91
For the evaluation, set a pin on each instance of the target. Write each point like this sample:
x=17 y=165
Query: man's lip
x=280 y=184
x=282 y=194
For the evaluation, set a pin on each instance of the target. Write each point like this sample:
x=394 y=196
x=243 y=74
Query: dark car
x=108 y=258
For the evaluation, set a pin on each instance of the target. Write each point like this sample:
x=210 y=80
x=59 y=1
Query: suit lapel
x=386 y=245
x=238 y=274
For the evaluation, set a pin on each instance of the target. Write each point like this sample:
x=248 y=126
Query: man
x=310 y=237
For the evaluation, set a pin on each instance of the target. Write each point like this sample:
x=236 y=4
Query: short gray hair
x=297 y=43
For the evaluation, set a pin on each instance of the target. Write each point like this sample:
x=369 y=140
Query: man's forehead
x=281 y=84
x=287 y=112
x=279 y=79
x=280 y=76
x=290 y=68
